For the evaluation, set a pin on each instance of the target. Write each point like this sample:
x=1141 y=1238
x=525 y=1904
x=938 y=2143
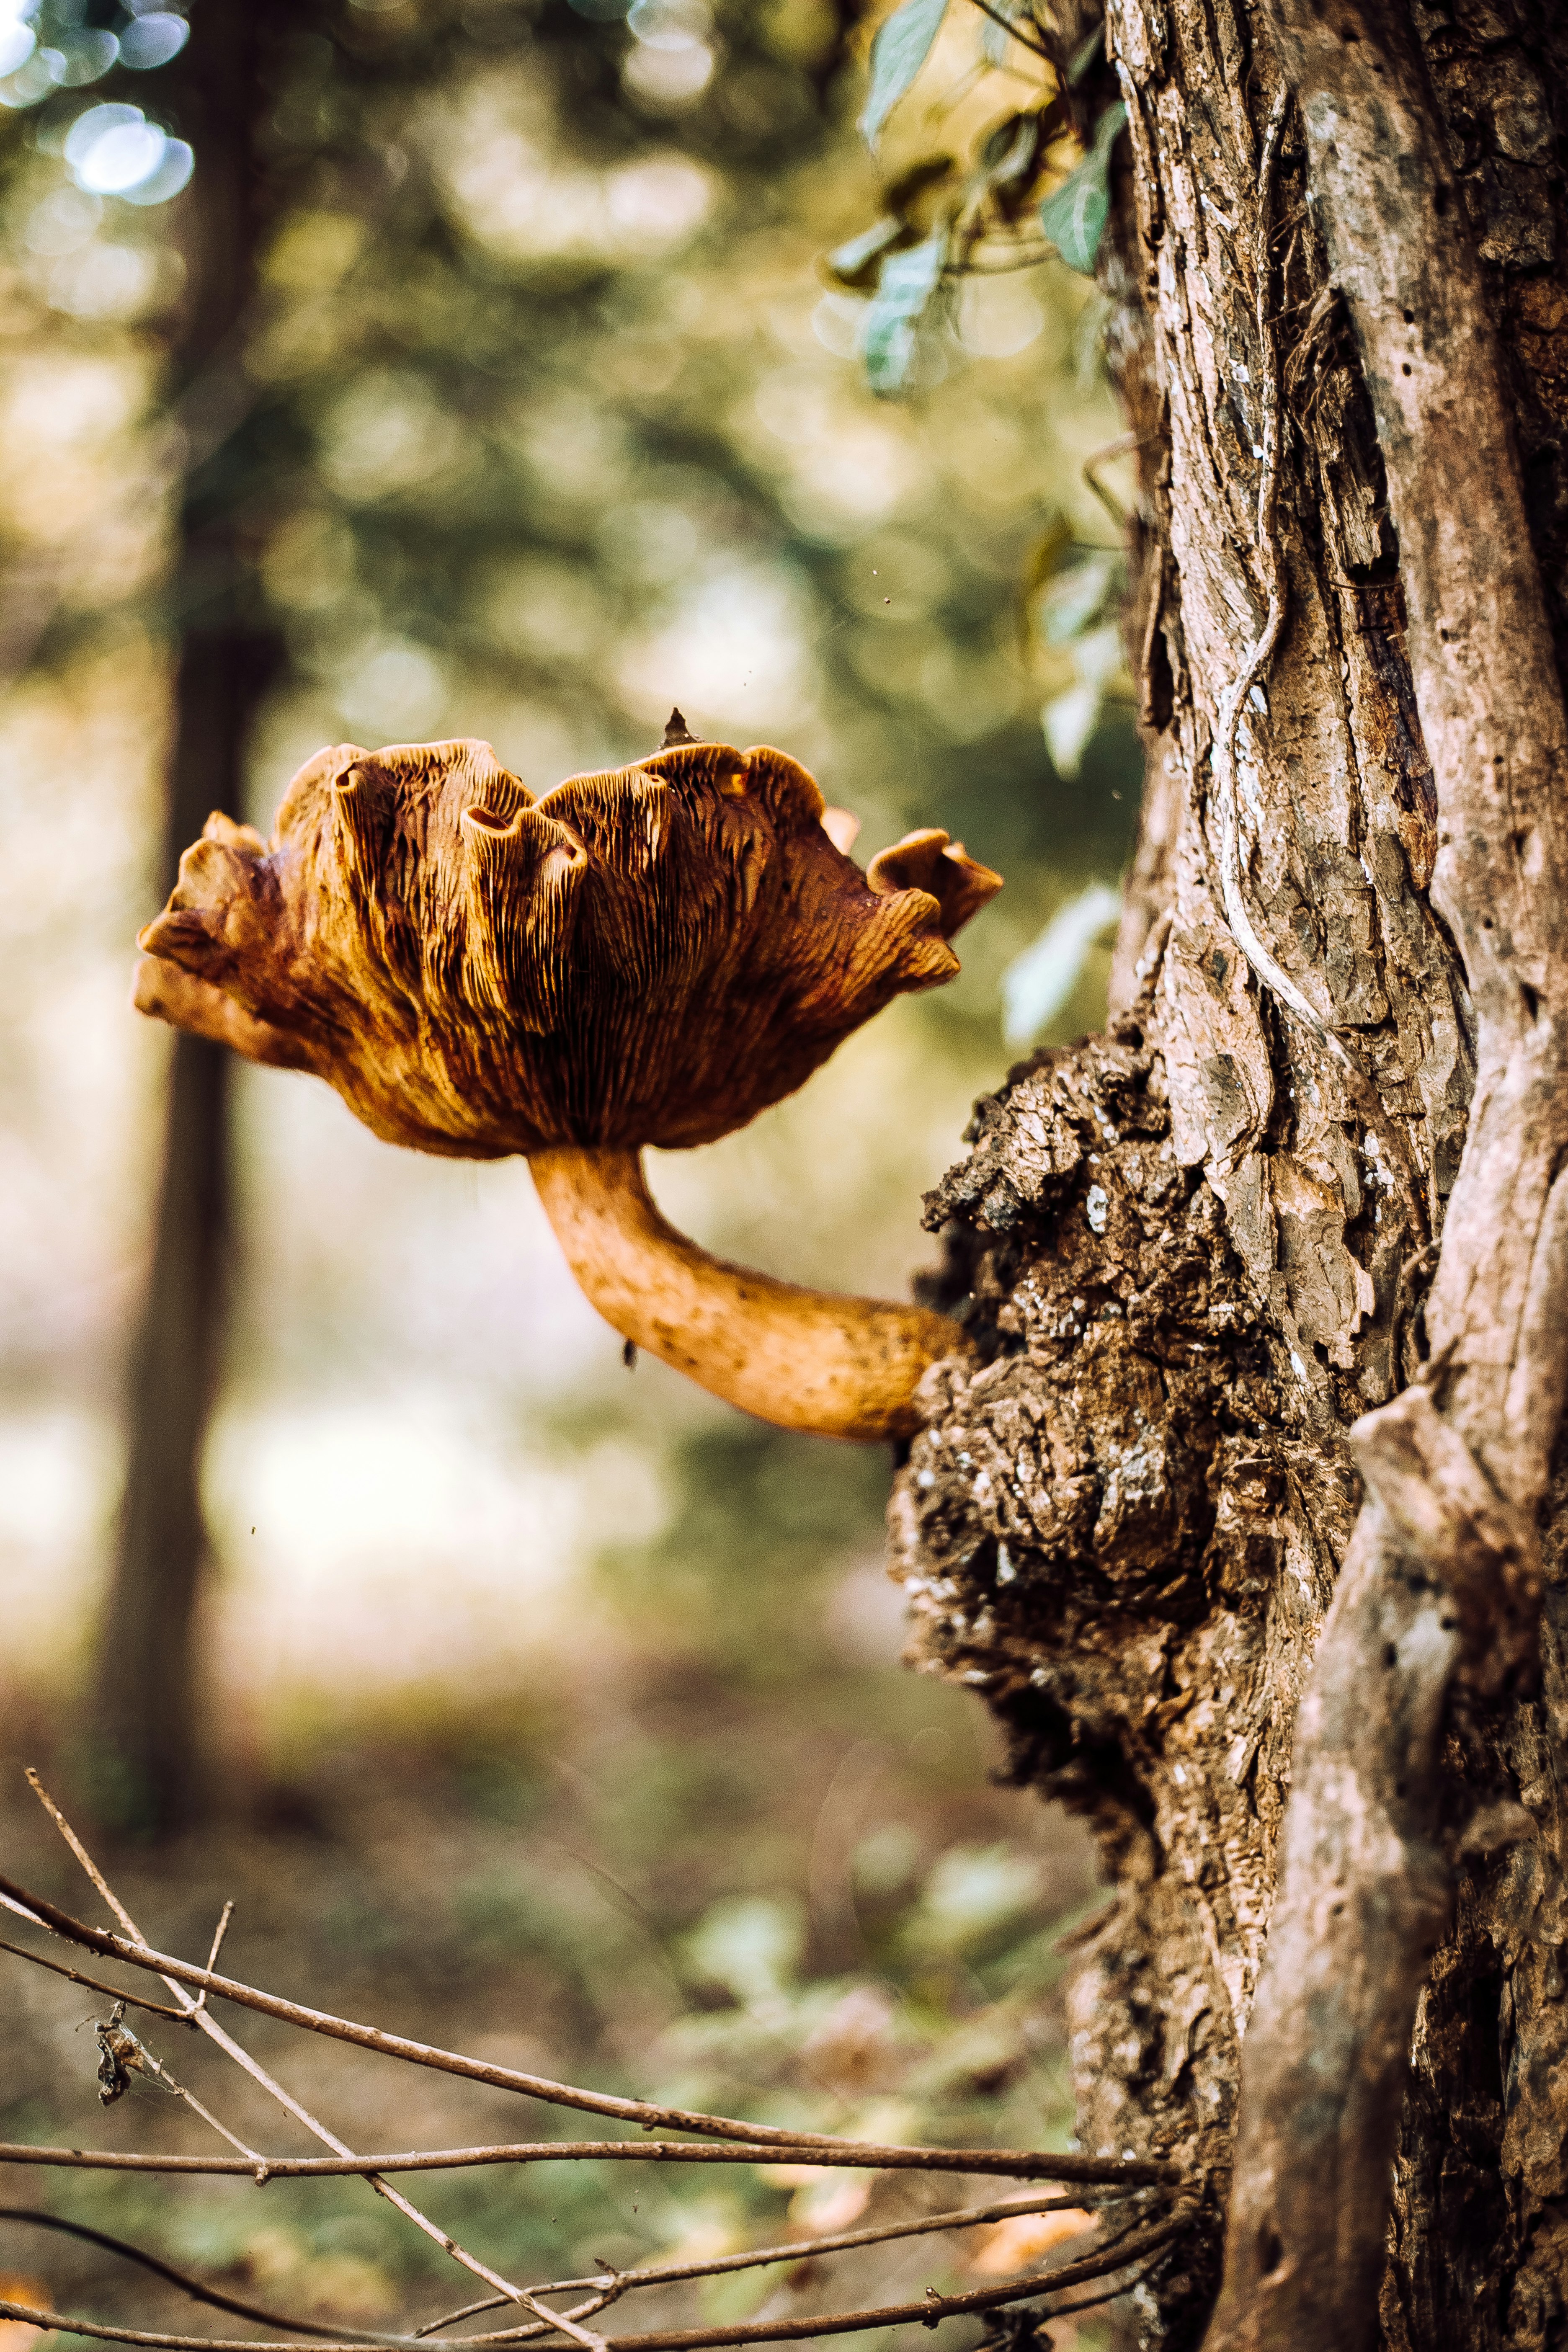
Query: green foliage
x=856 y=264
x=750 y=1943
x=930 y=2036
x=910 y=285
x=902 y=45
x=973 y=223
x=1078 y=612
x=1074 y=215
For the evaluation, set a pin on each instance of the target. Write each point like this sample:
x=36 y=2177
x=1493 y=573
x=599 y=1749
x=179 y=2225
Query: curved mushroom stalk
x=809 y=1360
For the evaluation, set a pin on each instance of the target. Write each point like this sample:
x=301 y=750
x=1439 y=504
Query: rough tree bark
x=145 y=1726
x=1295 y=1222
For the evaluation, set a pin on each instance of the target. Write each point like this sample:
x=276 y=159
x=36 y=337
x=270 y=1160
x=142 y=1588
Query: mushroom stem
x=802 y=1359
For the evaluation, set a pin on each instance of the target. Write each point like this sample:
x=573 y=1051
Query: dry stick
x=857 y=2156
x=1123 y=445
x=96 y=1984
x=796 y=2249
x=129 y=2055
x=196 y=2288
x=565 y=2323
x=1103 y=2263
x=219 y=1932
x=931 y=2308
x=820 y=2147
x=1089 y=2301
x=1441 y=1579
x=225 y=2042
x=1035 y=48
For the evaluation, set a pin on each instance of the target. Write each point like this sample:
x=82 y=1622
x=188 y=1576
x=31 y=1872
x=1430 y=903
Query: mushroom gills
x=808 y=1360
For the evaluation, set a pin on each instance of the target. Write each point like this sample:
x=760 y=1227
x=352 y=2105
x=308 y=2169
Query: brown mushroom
x=649 y=956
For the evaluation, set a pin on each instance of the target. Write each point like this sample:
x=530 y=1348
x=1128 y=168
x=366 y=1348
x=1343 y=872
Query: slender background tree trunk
x=1199 y=1248
x=145 y=1727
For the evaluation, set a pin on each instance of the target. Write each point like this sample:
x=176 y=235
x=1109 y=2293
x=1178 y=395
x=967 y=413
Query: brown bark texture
x=1246 y=1523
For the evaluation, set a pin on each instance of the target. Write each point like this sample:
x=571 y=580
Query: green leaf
x=1069 y=718
x=1008 y=153
x=1037 y=985
x=1074 y=218
x=910 y=283
x=995 y=42
x=1078 y=595
x=1085 y=56
x=901 y=47
x=854 y=264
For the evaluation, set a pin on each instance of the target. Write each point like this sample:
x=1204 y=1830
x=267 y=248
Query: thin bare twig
x=122 y=2055
x=822 y=2147
x=1037 y=48
x=1104 y=2261
x=209 y=2025
x=197 y=2289
x=796 y=2250
x=855 y=2156
x=928 y=2310
x=219 y=1932
x=1090 y=2302
x=1123 y=445
x=1138 y=2234
x=96 y=1984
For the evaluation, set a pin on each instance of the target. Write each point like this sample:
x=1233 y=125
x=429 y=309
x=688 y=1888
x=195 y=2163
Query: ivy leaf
x=911 y=281
x=901 y=47
x=1074 y=218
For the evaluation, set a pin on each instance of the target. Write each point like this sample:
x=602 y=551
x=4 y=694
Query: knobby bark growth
x=143 y=1730
x=1248 y=1527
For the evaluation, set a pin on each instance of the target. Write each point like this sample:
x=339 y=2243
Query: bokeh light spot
x=656 y=202
x=87 y=55
x=671 y=24
x=112 y=148
x=669 y=77
x=997 y=317
x=17 y=42
x=152 y=41
x=173 y=171
x=62 y=222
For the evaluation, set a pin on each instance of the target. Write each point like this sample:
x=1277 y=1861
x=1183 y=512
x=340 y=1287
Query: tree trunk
x=1200 y=1250
x=145 y=1711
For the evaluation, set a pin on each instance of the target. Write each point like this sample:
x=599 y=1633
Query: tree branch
x=818 y=2147
x=1132 y=2249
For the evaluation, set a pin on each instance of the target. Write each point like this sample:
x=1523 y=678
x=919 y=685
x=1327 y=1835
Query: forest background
x=559 y=1704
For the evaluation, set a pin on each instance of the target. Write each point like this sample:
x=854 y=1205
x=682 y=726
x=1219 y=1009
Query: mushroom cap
x=650 y=955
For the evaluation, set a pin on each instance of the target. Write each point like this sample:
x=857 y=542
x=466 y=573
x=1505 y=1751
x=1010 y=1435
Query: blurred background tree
x=225 y=648
x=487 y=379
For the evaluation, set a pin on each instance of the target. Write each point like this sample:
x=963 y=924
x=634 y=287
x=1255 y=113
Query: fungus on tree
x=648 y=956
